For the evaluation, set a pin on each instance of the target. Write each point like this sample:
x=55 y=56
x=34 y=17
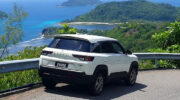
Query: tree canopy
x=169 y=37
x=67 y=30
x=13 y=29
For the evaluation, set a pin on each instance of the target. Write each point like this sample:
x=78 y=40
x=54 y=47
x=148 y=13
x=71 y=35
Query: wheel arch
x=103 y=69
x=135 y=65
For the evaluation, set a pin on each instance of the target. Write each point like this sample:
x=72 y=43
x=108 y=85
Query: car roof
x=90 y=38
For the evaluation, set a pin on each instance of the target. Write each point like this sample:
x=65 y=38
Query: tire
x=131 y=77
x=98 y=84
x=48 y=83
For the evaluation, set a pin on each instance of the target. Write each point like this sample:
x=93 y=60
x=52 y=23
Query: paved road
x=151 y=85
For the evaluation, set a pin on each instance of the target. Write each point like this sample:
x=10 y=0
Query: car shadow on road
x=111 y=91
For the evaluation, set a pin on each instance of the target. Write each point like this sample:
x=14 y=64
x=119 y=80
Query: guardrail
x=158 y=56
x=18 y=65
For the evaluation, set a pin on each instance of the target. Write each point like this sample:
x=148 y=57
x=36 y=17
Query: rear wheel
x=132 y=76
x=98 y=84
x=48 y=83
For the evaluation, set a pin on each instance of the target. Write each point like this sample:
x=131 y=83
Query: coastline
x=90 y=23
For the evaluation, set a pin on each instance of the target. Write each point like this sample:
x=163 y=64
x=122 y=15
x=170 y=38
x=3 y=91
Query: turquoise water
x=42 y=14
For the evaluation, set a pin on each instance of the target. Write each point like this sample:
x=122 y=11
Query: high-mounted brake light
x=84 y=58
x=46 y=52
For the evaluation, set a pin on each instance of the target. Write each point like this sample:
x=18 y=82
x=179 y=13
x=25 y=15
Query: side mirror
x=128 y=52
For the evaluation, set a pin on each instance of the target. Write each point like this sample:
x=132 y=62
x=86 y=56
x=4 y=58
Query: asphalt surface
x=151 y=85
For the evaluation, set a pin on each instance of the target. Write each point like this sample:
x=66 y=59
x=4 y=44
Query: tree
x=169 y=37
x=67 y=30
x=13 y=29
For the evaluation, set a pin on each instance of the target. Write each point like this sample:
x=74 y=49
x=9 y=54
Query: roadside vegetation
x=20 y=78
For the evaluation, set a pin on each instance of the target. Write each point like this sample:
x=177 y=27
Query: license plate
x=61 y=65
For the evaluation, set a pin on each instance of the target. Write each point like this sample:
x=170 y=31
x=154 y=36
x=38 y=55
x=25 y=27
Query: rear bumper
x=65 y=76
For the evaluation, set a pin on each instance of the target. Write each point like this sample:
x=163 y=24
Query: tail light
x=84 y=58
x=46 y=52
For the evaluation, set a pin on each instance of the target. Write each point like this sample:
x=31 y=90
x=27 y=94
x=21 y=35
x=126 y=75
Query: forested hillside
x=131 y=10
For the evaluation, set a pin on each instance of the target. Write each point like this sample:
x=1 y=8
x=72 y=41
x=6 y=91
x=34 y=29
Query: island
x=81 y=2
x=135 y=10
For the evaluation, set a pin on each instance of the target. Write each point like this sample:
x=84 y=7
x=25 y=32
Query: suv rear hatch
x=66 y=53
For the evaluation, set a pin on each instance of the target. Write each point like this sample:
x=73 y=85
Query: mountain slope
x=130 y=11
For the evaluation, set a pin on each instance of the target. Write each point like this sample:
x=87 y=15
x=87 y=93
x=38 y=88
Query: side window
x=97 y=49
x=117 y=47
x=107 y=47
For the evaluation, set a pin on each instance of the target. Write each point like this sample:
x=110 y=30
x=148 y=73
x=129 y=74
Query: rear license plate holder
x=61 y=65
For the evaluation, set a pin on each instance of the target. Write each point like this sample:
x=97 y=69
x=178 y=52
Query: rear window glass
x=70 y=44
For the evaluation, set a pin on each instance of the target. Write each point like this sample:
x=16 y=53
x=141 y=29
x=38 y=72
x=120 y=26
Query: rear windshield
x=70 y=44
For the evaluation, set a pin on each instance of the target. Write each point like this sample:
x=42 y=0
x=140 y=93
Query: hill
x=131 y=11
x=80 y=2
x=3 y=15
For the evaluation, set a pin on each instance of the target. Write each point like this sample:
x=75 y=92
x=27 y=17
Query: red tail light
x=84 y=58
x=46 y=52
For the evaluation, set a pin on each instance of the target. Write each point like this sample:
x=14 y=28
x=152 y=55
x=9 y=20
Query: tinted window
x=107 y=47
x=117 y=48
x=97 y=49
x=70 y=44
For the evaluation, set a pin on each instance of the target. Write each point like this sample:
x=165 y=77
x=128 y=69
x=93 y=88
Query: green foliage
x=134 y=10
x=80 y=2
x=27 y=53
x=174 y=48
x=168 y=38
x=13 y=29
x=157 y=50
x=67 y=30
x=15 y=79
x=20 y=78
x=146 y=64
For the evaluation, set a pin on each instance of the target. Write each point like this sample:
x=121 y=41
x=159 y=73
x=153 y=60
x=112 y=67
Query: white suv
x=87 y=59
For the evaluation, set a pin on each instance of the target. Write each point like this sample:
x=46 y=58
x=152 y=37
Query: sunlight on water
x=48 y=23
